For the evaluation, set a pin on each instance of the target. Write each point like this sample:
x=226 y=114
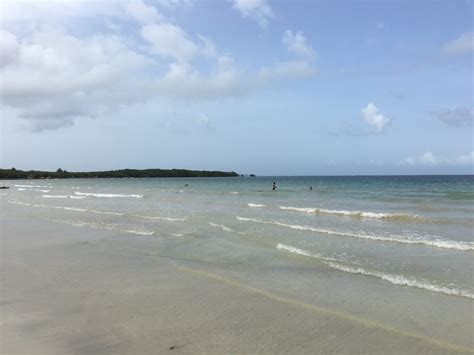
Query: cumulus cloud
x=142 y=12
x=296 y=43
x=51 y=77
x=203 y=121
x=56 y=76
x=464 y=44
x=376 y=120
x=429 y=159
x=169 y=40
x=457 y=117
x=257 y=10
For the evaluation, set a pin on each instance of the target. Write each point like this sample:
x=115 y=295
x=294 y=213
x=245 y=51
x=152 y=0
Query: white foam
x=44 y=191
x=77 y=197
x=67 y=208
x=399 y=280
x=171 y=219
x=221 y=226
x=364 y=214
x=106 y=195
x=97 y=226
x=256 y=205
x=234 y=193
x=31 y=186
x=21 y=189
x=56 y=196
x=3 y=194
x=438 y=243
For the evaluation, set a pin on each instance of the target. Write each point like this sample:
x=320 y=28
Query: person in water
x=311 y=187
x=274 y=187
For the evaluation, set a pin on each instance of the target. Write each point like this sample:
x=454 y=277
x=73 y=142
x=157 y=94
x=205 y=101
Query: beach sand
x=70 y=290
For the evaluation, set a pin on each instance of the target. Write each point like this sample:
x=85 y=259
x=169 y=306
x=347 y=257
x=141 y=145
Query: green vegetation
x=125 y=173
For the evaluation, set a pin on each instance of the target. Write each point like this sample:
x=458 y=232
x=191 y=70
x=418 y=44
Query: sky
x=270 y=87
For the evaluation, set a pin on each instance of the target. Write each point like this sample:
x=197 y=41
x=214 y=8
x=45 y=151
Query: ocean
x=391 y=249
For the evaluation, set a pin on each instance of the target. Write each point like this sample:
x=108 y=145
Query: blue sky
x=256 y=86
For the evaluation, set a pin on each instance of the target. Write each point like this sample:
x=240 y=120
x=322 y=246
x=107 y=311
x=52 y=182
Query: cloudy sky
x=256 y=86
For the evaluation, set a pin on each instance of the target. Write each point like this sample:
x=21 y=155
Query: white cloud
x=296 y=43
x=50 y=77
x=257 y=10
x=374 y=117
x=464 y=44
x=203 y=121
x=429 y=159
x=458 y=117
x=168 y=40
x=58 y=76
x=142 y=13
x=9 y=48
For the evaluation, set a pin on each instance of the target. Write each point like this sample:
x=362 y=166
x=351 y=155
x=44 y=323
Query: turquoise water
x=414 y=231
x=394 y=249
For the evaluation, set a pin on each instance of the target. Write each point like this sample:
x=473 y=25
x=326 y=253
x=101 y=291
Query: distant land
x=10 y=174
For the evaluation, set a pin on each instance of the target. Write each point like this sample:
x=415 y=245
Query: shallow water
x=411 y=236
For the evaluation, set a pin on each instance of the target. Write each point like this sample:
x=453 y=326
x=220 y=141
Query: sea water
x=355 y=237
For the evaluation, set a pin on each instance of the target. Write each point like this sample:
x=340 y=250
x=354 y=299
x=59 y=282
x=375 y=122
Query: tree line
x=123 y=173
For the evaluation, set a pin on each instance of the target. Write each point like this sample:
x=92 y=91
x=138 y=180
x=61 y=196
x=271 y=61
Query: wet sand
x=69 y=290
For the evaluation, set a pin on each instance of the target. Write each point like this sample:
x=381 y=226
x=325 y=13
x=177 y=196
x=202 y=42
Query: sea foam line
x=438 y=243
x=32 y=186
x=105 y=195
x=96 y=226
x=171 y=219
x=359 y=214
x=56 y=196
x=399 y=280
x=96 y=211
x=256 y=205
x=221 y=226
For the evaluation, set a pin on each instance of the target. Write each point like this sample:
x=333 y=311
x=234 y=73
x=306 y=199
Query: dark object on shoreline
x=10 y=174
x=311 y=187
x=4 y=187
x=252 y=175
x=186 y=185
x=274 y=186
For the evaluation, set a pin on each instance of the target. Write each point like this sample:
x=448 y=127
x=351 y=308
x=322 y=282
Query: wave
x=171 y=219
x=438 y=243
x=97 y=226
x=399 y=280
x=359 y=214
x=221 y=226
x=97 y=211
x=105 y=195
x=32 y=186
x=55 y=196
x=256 y=205
x=21 y=189
x=77 y=197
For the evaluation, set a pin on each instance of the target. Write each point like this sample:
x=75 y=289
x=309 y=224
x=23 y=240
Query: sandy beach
x=69 y=290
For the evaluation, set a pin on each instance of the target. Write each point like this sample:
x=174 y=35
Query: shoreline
x=80 y=290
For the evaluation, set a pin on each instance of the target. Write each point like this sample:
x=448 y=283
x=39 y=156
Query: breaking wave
x=221 y=226
x=256 y=205
x=359 y=214
x=171 y=219
x=104 y=227
x=56 y=196
x=438 y=243
x=105 y=195
x=399 y=280
x=97 y=211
